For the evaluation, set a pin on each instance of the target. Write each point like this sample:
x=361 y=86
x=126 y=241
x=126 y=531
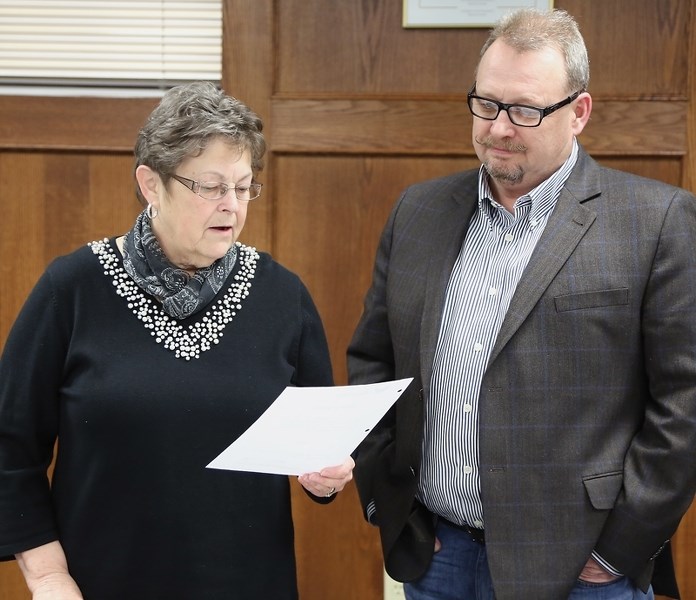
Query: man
x=545 y=307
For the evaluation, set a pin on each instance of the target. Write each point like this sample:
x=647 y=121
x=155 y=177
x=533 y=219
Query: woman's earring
x=151 y=211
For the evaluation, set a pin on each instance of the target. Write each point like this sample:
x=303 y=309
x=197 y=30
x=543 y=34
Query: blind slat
x=137 y=40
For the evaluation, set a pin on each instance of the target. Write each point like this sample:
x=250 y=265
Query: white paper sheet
x=309 y=428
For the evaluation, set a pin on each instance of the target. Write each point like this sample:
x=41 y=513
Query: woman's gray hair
x=530 y=30
x=187 y=119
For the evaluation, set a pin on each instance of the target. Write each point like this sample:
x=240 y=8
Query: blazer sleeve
x=371 y=359
x=659 y=467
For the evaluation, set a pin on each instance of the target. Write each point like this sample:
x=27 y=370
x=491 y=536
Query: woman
x=145 y=356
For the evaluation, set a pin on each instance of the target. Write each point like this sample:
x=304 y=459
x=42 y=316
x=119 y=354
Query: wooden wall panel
x=21 y=257
x=349 y=48
x=12 y=584
x=53 y=203
x=443 y=127
x=21 y=242
x=669 y=170
x=97 y=124
x=637 y=49
x=684 y=545
x=335 y=553
x=689 y=172
x=248 y=68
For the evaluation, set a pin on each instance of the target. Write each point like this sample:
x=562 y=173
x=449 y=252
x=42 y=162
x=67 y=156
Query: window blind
x=130 y=43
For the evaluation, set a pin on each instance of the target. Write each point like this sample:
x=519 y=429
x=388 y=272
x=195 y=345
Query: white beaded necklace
x=186 y=342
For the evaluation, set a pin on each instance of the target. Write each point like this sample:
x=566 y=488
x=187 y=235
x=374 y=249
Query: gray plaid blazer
x=588 y=404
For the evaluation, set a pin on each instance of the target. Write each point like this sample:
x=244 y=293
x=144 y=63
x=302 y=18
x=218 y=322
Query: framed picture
x=463 y=13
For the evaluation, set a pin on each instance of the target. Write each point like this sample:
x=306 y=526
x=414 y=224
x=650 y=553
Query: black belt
x=477 y=535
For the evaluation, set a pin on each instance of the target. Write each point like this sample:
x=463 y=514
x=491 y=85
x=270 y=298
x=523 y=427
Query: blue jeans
x=459 y=571
x=621 y=589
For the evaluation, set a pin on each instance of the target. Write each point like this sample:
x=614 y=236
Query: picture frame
x=463 y=13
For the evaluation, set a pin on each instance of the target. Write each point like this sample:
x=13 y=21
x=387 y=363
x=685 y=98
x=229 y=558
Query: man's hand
x=593 y=572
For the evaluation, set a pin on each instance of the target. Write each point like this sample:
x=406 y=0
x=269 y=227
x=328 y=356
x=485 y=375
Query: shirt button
x=478 y=524
x=478 y=347
x=534 y=223
x=492 y=291
x=508 y=237
x=468 y=408
x=467 y=470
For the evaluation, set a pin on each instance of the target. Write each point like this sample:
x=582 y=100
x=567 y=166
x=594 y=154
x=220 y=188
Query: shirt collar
x=542 y=198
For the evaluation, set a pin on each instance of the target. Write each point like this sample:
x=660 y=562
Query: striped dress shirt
x=495 y=252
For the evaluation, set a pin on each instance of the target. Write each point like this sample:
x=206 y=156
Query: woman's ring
x=332 y=491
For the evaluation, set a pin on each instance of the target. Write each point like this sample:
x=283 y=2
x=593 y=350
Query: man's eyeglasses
x=215 y=190
x=519 y=114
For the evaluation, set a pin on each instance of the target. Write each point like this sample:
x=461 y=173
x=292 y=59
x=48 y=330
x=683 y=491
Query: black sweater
x=137 y=512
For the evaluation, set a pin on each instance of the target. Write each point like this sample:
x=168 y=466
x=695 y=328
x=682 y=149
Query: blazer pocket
x=603 y=489
x=591 y=299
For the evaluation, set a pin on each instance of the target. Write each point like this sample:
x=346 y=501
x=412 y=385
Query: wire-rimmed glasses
x=216 y=190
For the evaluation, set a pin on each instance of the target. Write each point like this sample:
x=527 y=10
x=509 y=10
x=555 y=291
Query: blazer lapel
x=446 y=242
x=567 y=225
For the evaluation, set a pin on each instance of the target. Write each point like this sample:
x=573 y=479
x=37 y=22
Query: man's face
x=519 y=158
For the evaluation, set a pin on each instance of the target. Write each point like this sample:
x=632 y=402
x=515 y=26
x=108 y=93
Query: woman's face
x=192 y=231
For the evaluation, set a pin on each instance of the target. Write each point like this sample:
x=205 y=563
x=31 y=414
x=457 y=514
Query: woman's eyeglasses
x=215 y=190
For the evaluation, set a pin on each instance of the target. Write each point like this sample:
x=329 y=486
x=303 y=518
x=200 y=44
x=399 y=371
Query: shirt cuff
x=605 y=565
x=371 y=512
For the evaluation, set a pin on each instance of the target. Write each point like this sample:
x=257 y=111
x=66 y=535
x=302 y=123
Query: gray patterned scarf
x=181 y=294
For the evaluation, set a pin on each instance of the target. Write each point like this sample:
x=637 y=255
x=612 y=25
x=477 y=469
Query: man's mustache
x=508 y=145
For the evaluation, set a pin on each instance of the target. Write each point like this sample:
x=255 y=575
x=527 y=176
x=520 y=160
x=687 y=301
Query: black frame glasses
x=531 y=115
x=216 y=190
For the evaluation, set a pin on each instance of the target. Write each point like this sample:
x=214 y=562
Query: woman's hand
x=56 y=587
x=328 y=481
x=45 y=570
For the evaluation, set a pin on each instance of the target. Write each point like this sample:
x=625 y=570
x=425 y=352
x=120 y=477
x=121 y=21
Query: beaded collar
x=190 y=341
